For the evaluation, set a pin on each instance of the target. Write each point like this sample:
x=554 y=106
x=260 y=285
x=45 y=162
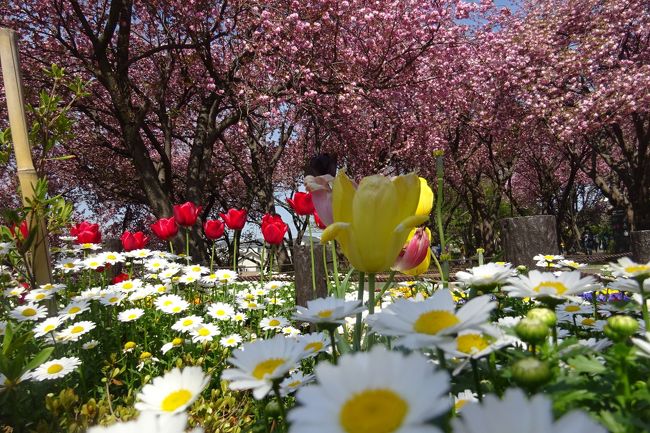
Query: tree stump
x=640 y=243
x=524 y=237
x=302 y=267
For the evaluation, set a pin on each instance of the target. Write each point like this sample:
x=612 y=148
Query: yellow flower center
x=373 y=411
x=588 y=321
x=571 y=308
x=68 y=265
x=549 y=258
x=188 y=322
x=471 y=343
x=29 y=312
x=176 y=309
x=555 y=287
x=434 y=321
x=459 y=404
x=39 y=296
x=267 y=367
x=77 y=329
x=204 y=332
x=167 y=303
x=132 y=316
x=127 y=286
x=74 y=310
x=637 y=269
x=274 y=322
x=113 y=299
x=220 y=313
x=47 y=286
x=49 y=328
x=177 y=341
x=129 y=345
x=325 y=314
x=314 y=347
x=54 y=368
x=175 y=399
x=294 y=384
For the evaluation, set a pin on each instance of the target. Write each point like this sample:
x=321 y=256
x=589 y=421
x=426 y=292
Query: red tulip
x=320 y=188
x=186 y=214
x=86 y=233
x=273 y=229
x=165 y=228
x=213 y=229
x=119 y=278
x=319 y=223
x=24 y=230
x=235 y=219
x=414 y=252
x=133 y=241
x=302 y=203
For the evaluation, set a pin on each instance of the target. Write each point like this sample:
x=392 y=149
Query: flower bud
x=531 y=372
x=129 y=345
x=145 y=356
x=532 y=331
x=177 y=341
x=620 y=328
x=544 y=315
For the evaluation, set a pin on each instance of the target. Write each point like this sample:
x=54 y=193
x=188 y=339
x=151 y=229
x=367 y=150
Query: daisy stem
x=327 y=277
x=276 y=390
x=594 y=301
x=477 y=379
x=441 y=359
x=644 y=308
x=311 y=256
x=357 y=326
x=335 y=356
x=371 y=303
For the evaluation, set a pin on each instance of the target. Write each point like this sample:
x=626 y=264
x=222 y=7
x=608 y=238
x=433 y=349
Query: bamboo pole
x=27 y=176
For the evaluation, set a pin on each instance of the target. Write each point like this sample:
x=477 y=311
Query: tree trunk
x=302 y=268
x=640 y=243
x=524 y=237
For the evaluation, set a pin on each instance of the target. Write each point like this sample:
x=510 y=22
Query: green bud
x=531 y=372
x=544 y=315
x=625 y=326
x=272 y=409
x=532 y=331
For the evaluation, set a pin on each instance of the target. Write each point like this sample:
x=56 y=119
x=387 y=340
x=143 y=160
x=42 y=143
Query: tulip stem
x=387 y=285
x=212 y=256
x=441 y=231
x=171 y=247
x=327 y=277
x=234 y=253
x=187 y=246
x=357 y=325
x=262 y=264
x=371 y=303
x=311 y=256
x=271 y=262
x=335 y=267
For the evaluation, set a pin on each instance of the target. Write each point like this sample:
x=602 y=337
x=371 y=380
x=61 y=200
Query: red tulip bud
x=186 y=214
x=273 y=229
x=234 y=219
x=213 y=229
x=165 y=228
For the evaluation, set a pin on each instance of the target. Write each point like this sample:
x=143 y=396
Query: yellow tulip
x=425 y=204
x=372 y=222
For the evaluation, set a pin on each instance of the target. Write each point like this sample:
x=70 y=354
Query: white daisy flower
x=516 y=413
x=111 y=257
x=275 y=301
x=139 y=254
x=89 y=345
x=5 y=247
x=176 y=342
x=205 y=332
x=76 y=330
x=189 y=278
x=290 y=331
x=328 y=310
x=156 y=264
x=55 y=369
x=149 y=422
x=93 y=293
x=130 y=315
x=371 y=392
x=29 y=312
x=260 y=292
x=314 y=343
x=142 y=293
x=625 y=267
x=239 y=317
x=486 y=275
x=476 y=344
x=127 y=286
x=112 y=298
x=295 y=381
x=38 y=295
x=195 y=269
x=87 y=246
x=171 y=304
x=260 y=362
x=73 y=309
x=590 y=323
x=571 y=264
x=14 y=292
x=46 y=326
x=174 y=392
x=548 y=257
x=232 y=340
x=273 y=323
x=221 y=311
x=426 y=323
x=540 y=284
x=643 y=345
x=94 y=263
x=162 y=288
x=187 y=324
x=275 y=285
x=168 y=273
x=462 y=398
x=630 y=285
x=210 y=280
x=226 y=276
x=547 y=265
x=250 y=305
x=68 y=265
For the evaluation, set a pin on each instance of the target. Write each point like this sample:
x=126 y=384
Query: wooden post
x=27 y=177
x=302 y=268
x=525 y=237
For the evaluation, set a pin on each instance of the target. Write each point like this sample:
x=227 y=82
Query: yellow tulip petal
x=343 y=191
x=408 y=191
x=332 y=231
x=422 y=267
x=425 y=203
